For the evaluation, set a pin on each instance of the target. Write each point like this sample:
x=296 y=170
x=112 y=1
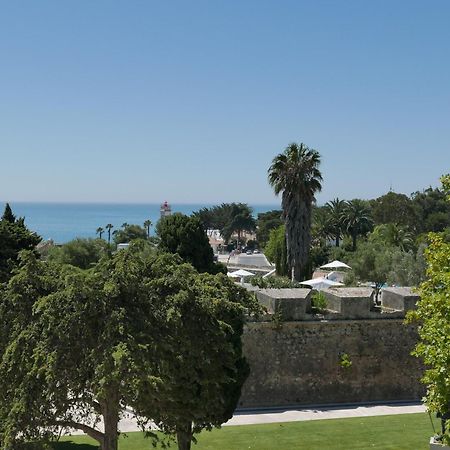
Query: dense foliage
x=140 y=330
x=14 y=237
x=82 y=253
x=185 y=236
x=129 y=233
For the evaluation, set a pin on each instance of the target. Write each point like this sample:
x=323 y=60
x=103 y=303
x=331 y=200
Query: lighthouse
x=165 y=210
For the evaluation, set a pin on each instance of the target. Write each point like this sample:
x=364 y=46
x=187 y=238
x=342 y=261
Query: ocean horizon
x=63 y=222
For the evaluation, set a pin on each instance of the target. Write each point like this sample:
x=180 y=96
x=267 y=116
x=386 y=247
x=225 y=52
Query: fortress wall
x=300 y=362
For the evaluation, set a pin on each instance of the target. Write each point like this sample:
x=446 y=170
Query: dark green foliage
x=433 y=210
x=229 y=218
x=357 y=219
x=82 y=253
x=129 y=233
x=394 y=208
x=14 y=237
x=8 y=215
x=185 y=236
x=139 y=329
x=265 y=223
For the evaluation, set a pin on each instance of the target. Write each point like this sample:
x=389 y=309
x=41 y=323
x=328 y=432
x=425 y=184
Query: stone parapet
x=289 y=304
x=399 y=298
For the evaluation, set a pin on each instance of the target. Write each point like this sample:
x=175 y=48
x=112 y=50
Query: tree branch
x=92 y=432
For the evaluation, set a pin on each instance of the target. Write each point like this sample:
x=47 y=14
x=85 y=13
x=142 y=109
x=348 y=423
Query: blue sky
x=142 y=101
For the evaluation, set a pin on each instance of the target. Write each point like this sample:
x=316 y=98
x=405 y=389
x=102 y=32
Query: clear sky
x=189 y=101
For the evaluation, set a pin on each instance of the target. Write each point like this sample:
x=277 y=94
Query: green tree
x=395 y=208
x=433 y=315
x=109 y=227
x=82 y=253
x=185 y=236
x=130 y=233
x=140 y=330
x=266 y=222
x=295 y=174
x=336 y=210
x=229 y=218
x=8 y=215
x=147 y=224
x=393 y=235
x=276 y=251
x=14 y=237
x=100 y=231
x=357 y=219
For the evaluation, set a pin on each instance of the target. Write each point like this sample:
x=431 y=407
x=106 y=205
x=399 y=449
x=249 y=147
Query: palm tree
x=109 y=227
x=357 y=219
x=335 y=209
x=124 y=225
x=100 y=231
x=147 y=224
x=295 y=173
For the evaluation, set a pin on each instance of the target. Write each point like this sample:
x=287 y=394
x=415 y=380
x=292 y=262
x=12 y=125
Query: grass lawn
x=398 y=432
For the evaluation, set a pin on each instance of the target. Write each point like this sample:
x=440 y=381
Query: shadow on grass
x=69 y=445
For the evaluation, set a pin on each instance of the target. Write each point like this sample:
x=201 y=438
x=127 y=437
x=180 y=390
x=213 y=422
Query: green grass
x=398 y=432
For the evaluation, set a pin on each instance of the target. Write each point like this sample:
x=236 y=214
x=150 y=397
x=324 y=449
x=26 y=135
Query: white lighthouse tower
x=165 y=210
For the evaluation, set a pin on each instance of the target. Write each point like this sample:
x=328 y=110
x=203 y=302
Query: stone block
x=351 y=302
x=291 y=304
x=399 y=298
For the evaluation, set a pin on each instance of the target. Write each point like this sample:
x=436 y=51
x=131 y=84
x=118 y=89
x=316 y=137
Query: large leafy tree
x=138 y=330
x=357 y=219
x=433 y=314
x=185 y=236
x=240 y=219
x=14 y=237
x=295 y=174
x=82 y=253
x=129 y=233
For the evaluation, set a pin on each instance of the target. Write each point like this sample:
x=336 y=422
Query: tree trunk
x=184 y=436
x=111 y=419
x=354 y=241
x=337 y=240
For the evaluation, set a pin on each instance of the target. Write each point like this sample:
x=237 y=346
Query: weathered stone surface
x=351 y=303
x=299 y=362
x=290 y=304
x=399 y=298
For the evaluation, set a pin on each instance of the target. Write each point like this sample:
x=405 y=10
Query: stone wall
x=300 y=362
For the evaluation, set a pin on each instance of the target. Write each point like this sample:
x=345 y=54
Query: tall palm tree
x=357 y=219
x=100 y=231
x=335 y=209
x=295 y=173
x=109 y=227
x=147 y=224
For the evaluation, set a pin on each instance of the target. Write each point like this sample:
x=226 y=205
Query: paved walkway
x=251 y=417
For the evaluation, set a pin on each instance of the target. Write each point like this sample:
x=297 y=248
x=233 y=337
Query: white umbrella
x=335 y=265
x=240 y=274
x=321 y=283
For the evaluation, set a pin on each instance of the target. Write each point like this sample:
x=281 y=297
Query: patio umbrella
x=335 y=265
x=240 y=274
x=320 y=283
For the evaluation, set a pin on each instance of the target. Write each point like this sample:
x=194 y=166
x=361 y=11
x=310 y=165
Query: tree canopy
x=129 y=232
x=14 y=237
x=139 y=330
x=185 y=236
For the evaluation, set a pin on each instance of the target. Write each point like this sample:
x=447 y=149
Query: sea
x=63 y=222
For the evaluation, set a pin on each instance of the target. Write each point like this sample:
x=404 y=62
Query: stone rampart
x=302 y=362
x=354 y=351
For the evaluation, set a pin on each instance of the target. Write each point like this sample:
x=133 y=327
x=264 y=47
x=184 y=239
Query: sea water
x=65 y=221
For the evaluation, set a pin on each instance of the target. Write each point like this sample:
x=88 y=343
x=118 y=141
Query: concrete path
x=252 y=417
